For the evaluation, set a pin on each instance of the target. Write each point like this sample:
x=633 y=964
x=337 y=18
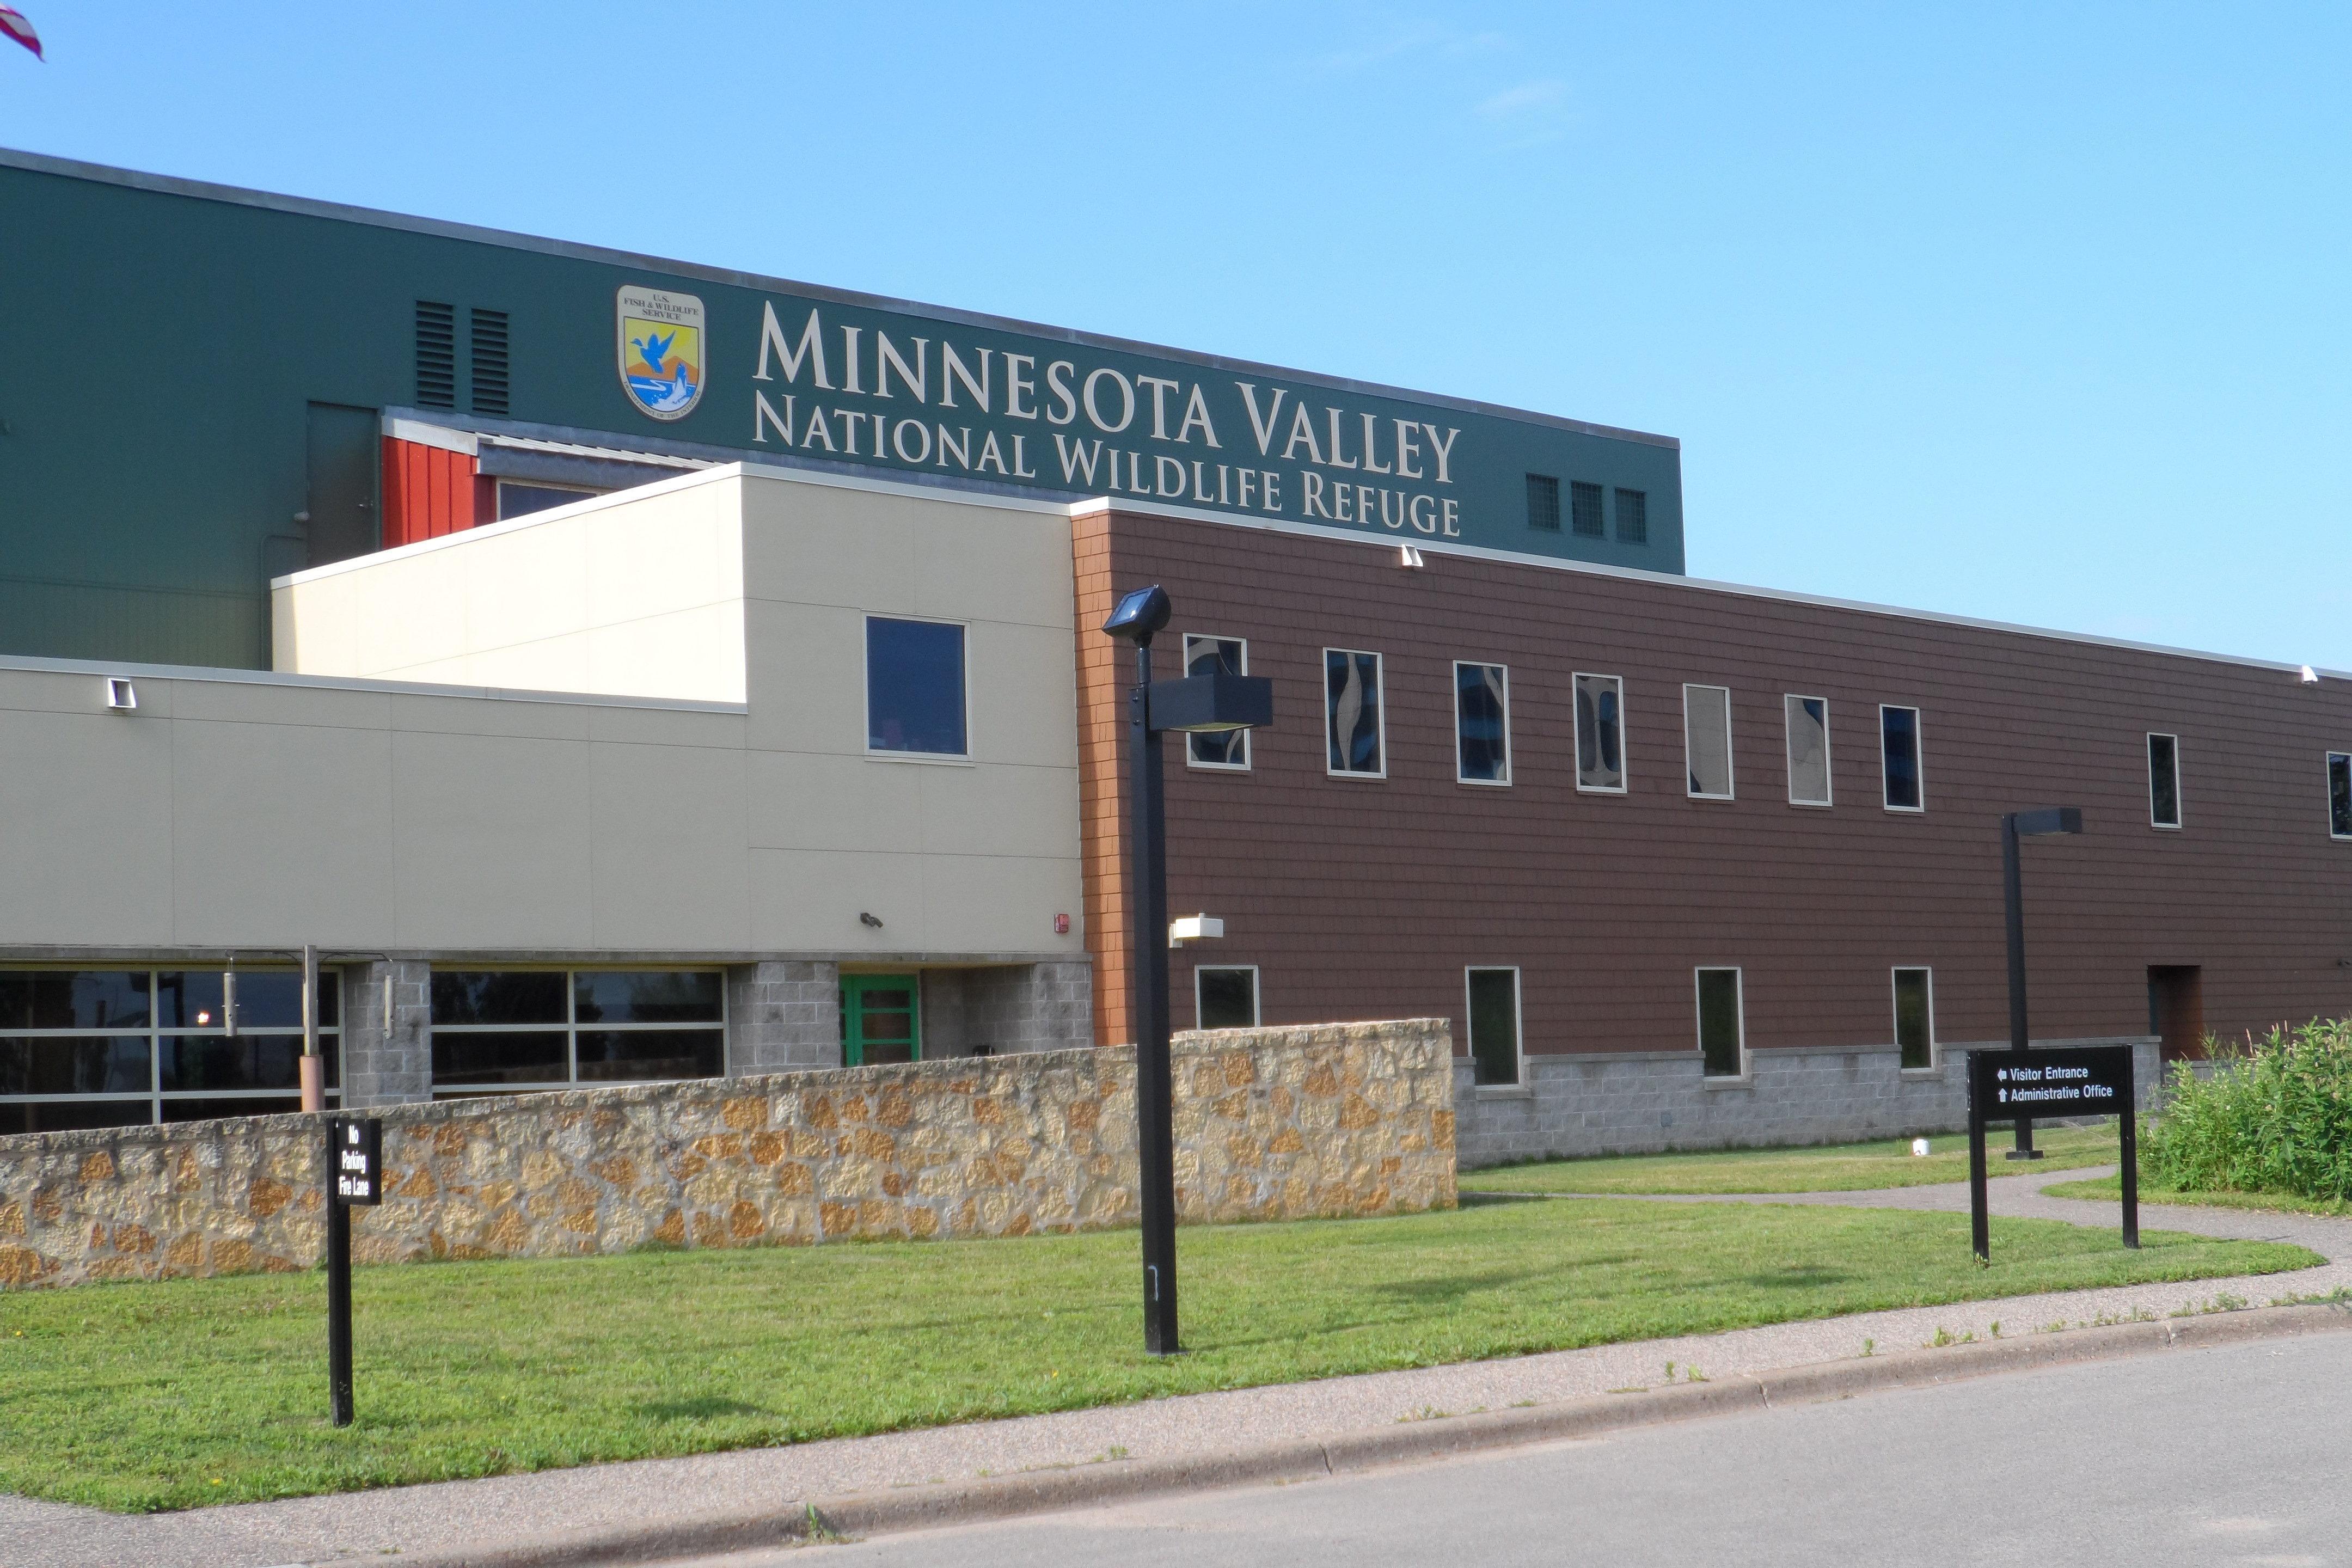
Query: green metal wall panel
x=172 y=340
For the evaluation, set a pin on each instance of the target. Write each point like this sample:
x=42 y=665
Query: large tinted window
x=1351 y=711
x=1600 y=732
x=1482 y=723
x=1899 y=749
x=2339 y=794
x=914 y=686
x=103 y=1047
x=1495 y=1025
x=539 y=1029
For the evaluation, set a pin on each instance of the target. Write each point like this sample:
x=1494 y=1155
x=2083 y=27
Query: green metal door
x=881 y=1019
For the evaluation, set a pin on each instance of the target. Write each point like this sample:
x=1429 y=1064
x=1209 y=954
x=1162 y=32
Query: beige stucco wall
x=1285 y=1123
x=239 y=808
x=636 y=595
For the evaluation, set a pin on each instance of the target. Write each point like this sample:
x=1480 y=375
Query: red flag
x=13 y=23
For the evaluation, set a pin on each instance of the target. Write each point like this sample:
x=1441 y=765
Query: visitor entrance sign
x=2010 y=1085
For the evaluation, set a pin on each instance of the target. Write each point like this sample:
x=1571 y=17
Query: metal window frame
x=2333 y=759
x=1789 y=748
x=1624 y=762
x=1519 y=1024
x=1185 y=647
x=1617 y=516
x=1730 y=760
x=571 y=1026
x=1380 y=703
x=2179 y=807
x=1459 y=666
x=1258 y=996
x=1554 y=525
x=1600 y=505
x=1895 y=1000
x=1918 y=756
x=865 y=691
x=1738 y=1017
x=155 y=1095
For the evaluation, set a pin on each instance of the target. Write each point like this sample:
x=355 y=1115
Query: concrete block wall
x=387 y=1050
x=782 y=1015
x=1638 y=1102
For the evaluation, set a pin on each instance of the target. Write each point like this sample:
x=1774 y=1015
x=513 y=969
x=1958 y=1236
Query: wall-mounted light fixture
x=866 y=920
x=119 y=696
x=1410 y=558
x=2310 y=676
x=1194 y=928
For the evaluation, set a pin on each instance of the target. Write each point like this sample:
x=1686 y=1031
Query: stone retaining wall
x=1353 y=1119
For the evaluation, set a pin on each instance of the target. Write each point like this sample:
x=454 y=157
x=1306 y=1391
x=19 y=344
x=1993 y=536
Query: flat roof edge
x=305 y=206
x=1668 y=579
x=223 y=675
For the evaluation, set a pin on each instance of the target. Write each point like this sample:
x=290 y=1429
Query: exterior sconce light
x=1194 y=928
x=119 y=695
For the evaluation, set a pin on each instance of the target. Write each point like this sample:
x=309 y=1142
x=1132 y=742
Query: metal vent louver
x=488 y=342
x=436 y=355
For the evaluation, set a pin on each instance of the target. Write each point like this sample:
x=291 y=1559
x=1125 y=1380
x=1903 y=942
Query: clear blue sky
x=2035 y=313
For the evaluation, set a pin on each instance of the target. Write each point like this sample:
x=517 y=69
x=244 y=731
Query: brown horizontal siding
x=1362 y=899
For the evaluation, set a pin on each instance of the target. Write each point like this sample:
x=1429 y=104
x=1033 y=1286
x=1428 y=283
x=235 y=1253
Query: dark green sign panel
x=201 y=344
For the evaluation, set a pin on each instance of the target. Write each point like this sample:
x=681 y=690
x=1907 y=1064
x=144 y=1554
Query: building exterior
x=627 y=670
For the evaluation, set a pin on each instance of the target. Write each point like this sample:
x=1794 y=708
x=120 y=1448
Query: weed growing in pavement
x=1870 y=1347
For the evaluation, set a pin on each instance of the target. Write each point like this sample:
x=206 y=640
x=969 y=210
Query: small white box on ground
x=1918 y=1146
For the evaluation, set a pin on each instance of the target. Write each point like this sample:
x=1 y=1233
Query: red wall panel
x=428 y=491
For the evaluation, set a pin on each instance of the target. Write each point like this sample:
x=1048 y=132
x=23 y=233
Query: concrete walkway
x=476 y=1514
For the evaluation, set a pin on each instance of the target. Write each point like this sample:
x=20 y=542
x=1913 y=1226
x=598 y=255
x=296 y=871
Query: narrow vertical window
x=1722 y=1031
x=1899 y=752
x=1707 y=740
x=1808 y=750
x=1351 y=713
x=1633 y=517
x=1543 y=503
x=1482 y=723
x=1600 y=733
x=914 y=686
x=2164 y=781
x=1227 y=749
x=1494 y=1010
x=1584 y=507
x=2339 y=794
x=1915 y=1017
x=1224 y=996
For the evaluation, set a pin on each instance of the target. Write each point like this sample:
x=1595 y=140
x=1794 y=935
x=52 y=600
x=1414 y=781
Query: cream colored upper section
x=635 y=594
x=259 y=809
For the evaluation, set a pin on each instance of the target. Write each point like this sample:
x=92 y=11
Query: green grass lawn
x=2111 y=1189
x=141 y=1397
x=1830 y=1168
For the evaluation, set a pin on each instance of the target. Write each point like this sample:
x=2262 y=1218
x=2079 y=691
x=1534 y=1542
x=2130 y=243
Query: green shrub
x=2275 y=1117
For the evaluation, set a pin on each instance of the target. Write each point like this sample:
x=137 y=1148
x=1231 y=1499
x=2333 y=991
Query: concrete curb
x=857 y=1514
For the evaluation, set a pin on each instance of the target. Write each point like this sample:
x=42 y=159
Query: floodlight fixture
x=2310 y=676
x=119 y=695
x=1140 y=614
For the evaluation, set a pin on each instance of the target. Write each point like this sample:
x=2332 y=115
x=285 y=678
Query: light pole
x=1200 y=702
x=2016 y=825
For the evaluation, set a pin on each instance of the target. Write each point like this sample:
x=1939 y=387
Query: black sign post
x=354 y=1175
x=2016 y=1086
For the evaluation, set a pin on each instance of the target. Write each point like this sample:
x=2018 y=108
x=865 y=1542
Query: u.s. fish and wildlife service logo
x=661 y=351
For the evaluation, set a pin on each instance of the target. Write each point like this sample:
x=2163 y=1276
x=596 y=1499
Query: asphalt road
x=2230 y=1455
